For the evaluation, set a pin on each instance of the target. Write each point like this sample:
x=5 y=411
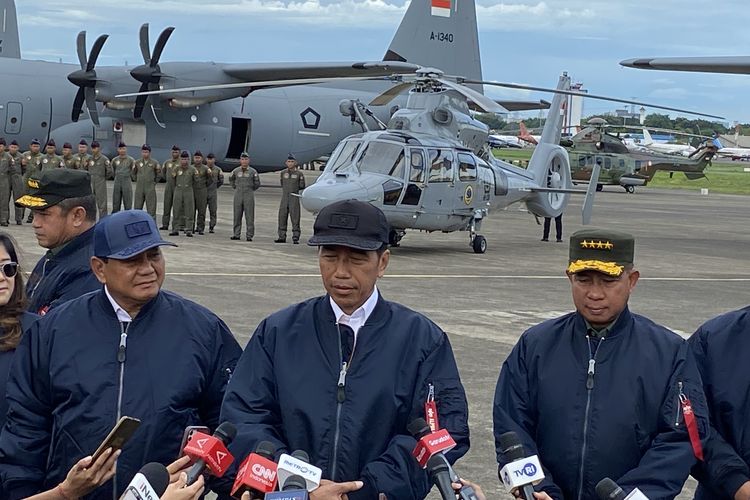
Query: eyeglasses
x=9 y=269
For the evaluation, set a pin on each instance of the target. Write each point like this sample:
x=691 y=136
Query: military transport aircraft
x=66 y=102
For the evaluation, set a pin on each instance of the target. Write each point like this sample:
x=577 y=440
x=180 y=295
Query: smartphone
x=118 y=436
x=189 y=431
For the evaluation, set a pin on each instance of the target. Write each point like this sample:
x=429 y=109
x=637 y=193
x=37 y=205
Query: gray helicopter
x=430 y=168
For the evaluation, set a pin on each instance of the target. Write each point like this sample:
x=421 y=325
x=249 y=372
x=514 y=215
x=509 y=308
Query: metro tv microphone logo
x=441 y=8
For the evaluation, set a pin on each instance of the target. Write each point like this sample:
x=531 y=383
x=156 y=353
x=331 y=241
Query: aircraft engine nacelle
x=551 y=168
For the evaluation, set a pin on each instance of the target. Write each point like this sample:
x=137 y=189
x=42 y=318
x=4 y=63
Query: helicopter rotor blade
x=487 y=104
x=390 y=94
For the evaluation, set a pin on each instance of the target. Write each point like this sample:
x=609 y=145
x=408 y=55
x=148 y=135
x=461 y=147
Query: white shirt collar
x=122 y=314
x=358 y=318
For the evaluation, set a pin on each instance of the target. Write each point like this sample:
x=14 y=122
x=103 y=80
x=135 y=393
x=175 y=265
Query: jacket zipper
x=589 y=389
x=121 y=357
x=340 y=398
x=39 y=282
x=680 y=395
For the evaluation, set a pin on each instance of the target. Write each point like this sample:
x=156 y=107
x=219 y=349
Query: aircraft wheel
x=630 y=189
x=394 y=238
x=479 y=244
x=599 y=187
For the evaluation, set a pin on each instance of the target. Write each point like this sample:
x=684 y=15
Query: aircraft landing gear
x=629 y=189
x=599 y=187
x=394 y=237
x=477 y=242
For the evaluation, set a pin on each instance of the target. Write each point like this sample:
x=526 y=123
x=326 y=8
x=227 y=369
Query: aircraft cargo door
x=239 y=141
x=13 y=118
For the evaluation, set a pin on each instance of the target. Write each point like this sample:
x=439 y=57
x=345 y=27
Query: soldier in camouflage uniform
x=166 y=172
x=68 y=160
x=100 y=169
x=50 y=159
x=81 y=159
x=185 y=176
x=122 y=192
x=292 y=182
x=6 y=166
x=31 y=164
x=146 y=174
x=215 y=180
x=200 y=192
x=16 y=178
x=245 y=181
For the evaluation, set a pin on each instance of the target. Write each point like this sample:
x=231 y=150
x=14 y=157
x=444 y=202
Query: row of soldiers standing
x=190 y=192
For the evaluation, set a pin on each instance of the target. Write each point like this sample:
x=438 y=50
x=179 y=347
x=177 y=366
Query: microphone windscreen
x=157 y=476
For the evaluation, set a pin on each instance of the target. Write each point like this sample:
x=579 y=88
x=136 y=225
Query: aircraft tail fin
x=439 y=34
x=10 y=45
x=647 y=139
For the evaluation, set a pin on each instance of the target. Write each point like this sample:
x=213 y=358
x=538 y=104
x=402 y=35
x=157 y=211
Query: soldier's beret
x=175 y=148
x=35 y=142
x=14 y=142
x=145 y=147
x=95 y=144
x=184 y=154
x=2 y=141
x=67 y=146
x=198 y=153
x=122 y=145
x=83 y=143
x=51 y=142
x=210 y=156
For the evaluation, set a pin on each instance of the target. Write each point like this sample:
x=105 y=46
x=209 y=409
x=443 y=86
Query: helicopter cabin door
x=466 y=186
x=416 y=179
x=440 y=189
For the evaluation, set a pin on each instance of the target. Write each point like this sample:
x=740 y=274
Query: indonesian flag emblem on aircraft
x=441 y=8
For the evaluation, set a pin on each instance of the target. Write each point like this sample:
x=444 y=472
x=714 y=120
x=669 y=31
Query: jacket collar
x=621 y=324
x=107 y=308
x=83 y=240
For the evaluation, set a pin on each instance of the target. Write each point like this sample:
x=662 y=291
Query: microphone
x=439 y=472
x=257 y=474
x=294 y=489
x=210 y=452
x=606 y=489
x=429 y=449
x=297 y=464
x=149 y=484
x=521 y=472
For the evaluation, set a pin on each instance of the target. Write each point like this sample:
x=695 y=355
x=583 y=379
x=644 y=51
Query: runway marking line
x=443 y=276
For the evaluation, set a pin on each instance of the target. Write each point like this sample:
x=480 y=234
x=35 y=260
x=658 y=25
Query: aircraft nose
x=320 y=194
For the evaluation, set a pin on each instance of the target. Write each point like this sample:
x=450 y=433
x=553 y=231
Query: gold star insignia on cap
x=597 y=245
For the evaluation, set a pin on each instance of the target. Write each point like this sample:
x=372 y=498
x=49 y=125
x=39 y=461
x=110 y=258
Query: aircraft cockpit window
x=467 y=170
x=441 y=165
x=417 y=166
x=343 y=155
x=383 y=158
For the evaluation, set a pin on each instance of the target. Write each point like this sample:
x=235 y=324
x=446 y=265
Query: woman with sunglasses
x=14 y=320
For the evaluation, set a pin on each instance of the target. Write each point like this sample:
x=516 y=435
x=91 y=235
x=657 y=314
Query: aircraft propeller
x=85 y=78
x=149 y=73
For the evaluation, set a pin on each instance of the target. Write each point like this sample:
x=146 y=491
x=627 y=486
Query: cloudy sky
x=522 y=41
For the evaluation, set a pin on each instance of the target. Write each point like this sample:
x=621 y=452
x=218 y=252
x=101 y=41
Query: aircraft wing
x=258 y=72
x=726 y=64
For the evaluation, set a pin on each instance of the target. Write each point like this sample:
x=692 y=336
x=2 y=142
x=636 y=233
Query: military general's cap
x=126 y=234
x=601 y=250
x=184 y=154
x=351 y=223
x=54 y=186
x=95 y=144
x=35 y=142
x=67 y=145
x=122 y=145
x=145 y=147
x=83 y=143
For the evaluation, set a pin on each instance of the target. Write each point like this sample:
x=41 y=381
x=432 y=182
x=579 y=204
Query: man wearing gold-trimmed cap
x=603 y=392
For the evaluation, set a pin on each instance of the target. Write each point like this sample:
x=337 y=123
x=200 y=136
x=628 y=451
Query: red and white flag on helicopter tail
x=441 y=8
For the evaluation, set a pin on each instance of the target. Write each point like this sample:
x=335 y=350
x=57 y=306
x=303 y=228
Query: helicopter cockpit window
x=441 y=165
x=417 y=166
x=467 y=170
x=343 y=155
x=383 y=158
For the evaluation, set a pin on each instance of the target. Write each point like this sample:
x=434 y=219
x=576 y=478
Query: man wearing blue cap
x=129 y=348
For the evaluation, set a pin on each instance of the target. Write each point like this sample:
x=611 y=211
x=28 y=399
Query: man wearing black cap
x=100 y=169
x=81 y=159
x=292 y=182
x=16 y=178
x=6 y=167
x=245 y=181
x=603 y=392
x=50 y=160
x=64 y=216
x=103 y=356
x=185 y=176
x=342 y=376
x=146 y=174
x=122 y=192
x=167 y=170
x=200 y=192
x=68 y=160
x=215 y=180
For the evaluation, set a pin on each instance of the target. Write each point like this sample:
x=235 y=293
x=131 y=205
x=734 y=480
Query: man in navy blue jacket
x=721 y=347
x=341 y=376
x=603 y=392
x=64 y=212
x=128 y=349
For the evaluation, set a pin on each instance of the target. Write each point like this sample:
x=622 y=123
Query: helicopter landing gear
x=629 y=189
x=394 y=237
x=477 y=242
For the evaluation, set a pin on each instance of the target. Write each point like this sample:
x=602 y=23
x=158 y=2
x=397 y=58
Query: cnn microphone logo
x=263 y=472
